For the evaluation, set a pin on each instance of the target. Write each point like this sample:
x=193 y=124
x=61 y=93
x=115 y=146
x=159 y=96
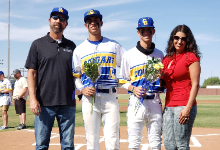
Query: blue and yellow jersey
x=5 y=85
x=108 y=53
x=133 y=68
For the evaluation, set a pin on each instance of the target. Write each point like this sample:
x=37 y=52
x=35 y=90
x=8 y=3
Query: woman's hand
x=184 y=115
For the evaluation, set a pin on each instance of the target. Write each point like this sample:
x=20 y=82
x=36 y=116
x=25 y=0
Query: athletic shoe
x=18 y=126
x=23 y=126
x=3 y=128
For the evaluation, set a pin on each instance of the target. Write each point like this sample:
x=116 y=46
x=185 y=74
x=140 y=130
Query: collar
x=95 y=42
x=145 y=51
x=51 y=40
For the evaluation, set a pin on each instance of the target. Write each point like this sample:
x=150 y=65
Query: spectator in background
x=20 y=96
x=5 y=99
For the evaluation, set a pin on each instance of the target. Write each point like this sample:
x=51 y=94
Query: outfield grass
x=207 y=116
x=162 y=96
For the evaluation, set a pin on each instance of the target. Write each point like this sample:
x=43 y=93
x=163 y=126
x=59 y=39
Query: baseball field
x=205 y=135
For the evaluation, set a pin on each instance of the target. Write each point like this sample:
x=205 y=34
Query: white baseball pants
x=151 y=113
x=106 y=107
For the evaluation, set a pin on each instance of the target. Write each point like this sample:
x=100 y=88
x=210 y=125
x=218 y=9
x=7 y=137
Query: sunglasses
x=175 y=37
x=62 y=19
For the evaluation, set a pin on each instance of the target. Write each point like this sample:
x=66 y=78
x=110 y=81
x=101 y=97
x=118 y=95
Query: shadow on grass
x=78 y=111
x=123 y=112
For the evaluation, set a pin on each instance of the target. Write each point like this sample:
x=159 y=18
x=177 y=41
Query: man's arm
x=23 y=92
x=125 y=76
x=31 y=80
x=25 y=89
x=6 y=91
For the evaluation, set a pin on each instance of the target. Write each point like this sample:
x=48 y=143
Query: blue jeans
x=43 y=124
x=177 y=136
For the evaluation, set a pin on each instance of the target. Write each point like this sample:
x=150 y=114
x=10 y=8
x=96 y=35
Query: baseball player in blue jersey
x=106 y=108
x=132 y=77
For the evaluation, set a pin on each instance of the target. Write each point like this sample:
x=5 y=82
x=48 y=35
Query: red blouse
x=177 y=78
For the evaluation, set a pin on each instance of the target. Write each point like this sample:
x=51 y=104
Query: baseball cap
x=145 y=22
x=1 y=72
x=60 y=10
x=92 y=13
x=16 y=71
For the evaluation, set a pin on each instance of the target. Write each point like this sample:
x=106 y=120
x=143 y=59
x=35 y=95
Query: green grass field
x=207 y=116
x=162 y=96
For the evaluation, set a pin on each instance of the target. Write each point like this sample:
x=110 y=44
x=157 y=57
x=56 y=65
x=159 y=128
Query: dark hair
x=191 y=45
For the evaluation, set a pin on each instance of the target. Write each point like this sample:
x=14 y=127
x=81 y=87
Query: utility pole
x=23 y=70
x=8 y=39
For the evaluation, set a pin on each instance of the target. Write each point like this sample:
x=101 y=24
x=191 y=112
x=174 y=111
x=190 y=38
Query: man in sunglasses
x=50 y=83
x=106 y=108
x=132 y=78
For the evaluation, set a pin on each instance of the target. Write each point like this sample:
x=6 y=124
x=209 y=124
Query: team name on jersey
x=106 y=59
x=137 y=72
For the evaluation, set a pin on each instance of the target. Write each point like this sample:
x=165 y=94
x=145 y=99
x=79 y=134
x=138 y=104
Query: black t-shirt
x=53 y=63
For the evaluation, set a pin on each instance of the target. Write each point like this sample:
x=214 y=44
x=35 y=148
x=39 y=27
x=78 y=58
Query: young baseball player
x=5 y=99
x=109 y=53
x=132 y=73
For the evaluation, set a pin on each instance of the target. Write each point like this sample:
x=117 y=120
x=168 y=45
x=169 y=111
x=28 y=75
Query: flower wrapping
x=151 y=74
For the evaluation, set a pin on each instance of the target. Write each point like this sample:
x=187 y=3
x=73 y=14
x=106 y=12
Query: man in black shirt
x=50 y=83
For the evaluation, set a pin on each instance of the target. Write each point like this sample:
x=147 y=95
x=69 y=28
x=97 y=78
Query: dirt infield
x=201 y=139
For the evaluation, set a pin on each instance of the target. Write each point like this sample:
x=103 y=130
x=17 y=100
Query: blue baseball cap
x=1 y=72
x=60 y=10
x=92 y=13
x=145 y=22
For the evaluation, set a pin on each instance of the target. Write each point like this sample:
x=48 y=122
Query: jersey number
x=111 y=74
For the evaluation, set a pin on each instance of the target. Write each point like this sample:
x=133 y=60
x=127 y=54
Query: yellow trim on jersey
x=77 y=75
x=123 y=81
x=137 y=73
x=6 y=89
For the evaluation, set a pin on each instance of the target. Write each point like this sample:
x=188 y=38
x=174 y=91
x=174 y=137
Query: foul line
x=144 y=146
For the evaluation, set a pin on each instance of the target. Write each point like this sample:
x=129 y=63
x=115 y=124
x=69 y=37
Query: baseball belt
x=112 y=90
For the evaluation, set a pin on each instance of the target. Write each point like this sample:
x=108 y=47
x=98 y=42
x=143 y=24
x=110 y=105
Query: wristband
x=132 y=89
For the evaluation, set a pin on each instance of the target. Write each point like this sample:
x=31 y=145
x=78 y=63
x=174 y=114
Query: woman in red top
x=182 y=75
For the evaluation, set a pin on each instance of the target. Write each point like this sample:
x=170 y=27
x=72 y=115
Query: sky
x=29 y=21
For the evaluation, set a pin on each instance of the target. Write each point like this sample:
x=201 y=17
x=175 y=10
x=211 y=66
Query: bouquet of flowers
x=152 y=69
x=152 y=72
x=92 y=70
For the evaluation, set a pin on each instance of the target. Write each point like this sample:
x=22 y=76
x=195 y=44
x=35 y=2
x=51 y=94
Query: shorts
x=20 y=106
x=4 y=107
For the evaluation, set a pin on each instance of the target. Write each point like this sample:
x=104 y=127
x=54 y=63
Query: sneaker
x=23 y=126
x=18 y=126
x=3 y=128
